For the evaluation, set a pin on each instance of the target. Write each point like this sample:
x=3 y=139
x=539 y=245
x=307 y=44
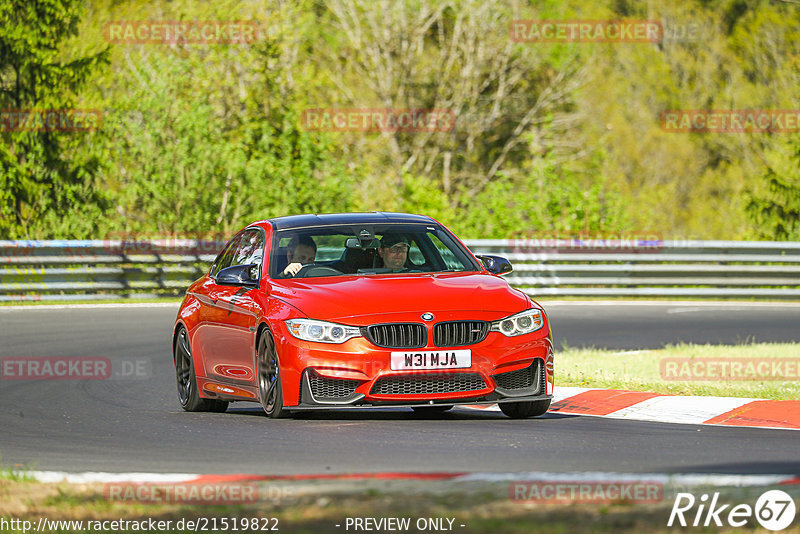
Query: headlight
x=321 y=331
x=520 y=323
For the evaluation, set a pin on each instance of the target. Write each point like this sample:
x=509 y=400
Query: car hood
x=365 y=297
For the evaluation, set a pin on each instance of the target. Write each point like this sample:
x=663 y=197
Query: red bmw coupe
x=338 y=311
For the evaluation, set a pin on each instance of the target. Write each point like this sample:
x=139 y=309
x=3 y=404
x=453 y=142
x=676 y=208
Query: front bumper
x=358 y=374
x=385 y=404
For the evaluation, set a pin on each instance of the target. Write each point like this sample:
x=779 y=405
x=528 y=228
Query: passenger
x=301 y=251
x=394 y=251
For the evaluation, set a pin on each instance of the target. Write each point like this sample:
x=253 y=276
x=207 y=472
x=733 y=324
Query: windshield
x=366 y=250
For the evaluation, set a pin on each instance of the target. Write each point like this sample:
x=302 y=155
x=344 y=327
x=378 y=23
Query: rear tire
x=270 y=392
x=188 y=394
x=522 y=410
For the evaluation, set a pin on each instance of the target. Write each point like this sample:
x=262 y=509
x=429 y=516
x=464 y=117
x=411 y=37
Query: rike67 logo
x=774 y=510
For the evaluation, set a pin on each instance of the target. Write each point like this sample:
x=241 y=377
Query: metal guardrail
x=99 y=270
x=70 y=270
x=641 y=267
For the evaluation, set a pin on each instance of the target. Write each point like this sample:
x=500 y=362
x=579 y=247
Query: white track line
x=684 y=479
x=101 y=477
x=688 y=479
x=562 y=392
x=679 y=409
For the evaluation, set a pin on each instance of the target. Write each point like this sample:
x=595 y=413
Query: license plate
x=434 y=359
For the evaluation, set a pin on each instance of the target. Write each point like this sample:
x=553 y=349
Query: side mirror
x=239 y=275
x=496 y=264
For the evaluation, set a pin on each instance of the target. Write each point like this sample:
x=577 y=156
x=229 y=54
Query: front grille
x=398 y=335
x=458 y=333
x=330 y=388
x=427 y=384
x=522 y=378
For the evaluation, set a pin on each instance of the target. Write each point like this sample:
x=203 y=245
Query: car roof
x=332 y=219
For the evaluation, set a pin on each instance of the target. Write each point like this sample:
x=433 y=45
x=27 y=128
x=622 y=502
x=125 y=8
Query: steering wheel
x=312 y=269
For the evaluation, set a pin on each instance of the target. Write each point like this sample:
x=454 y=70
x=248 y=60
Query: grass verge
x=666 y=370
x=14 y=474
x=482 y=508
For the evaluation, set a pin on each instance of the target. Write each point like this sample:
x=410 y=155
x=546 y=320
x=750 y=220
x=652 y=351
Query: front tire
x=270 y=392
x=522 y=410
x=188 y=394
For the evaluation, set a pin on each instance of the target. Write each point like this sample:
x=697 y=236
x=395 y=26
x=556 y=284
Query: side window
x=414 y=253
x=251 y=248
x=226 y=256
x=329 y=247
x=450 y=260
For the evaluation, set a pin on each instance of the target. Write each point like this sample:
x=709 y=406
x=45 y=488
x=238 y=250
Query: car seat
x=356 y=258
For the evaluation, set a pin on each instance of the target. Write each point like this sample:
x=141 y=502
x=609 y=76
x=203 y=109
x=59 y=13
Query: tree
x=455 y=56
x=44 y=173
x=209 y=140
x=776 y=207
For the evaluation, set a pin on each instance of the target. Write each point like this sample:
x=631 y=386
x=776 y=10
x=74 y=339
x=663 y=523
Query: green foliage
x=550 y=199
x=212 y=154
x=44 y=175
x=417 y=196
x=562 y=138
x=189 y=171
x=776 y=207
x=15 y=474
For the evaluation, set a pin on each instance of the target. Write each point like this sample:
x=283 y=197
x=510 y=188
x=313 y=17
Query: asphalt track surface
x=134 y=424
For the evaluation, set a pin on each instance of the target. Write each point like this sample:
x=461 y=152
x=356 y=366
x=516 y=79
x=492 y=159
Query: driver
x=301 y=251
x=394 y=251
